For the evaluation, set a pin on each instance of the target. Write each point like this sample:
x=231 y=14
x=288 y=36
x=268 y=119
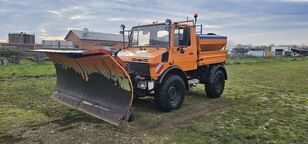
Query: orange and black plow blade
x=93 y=82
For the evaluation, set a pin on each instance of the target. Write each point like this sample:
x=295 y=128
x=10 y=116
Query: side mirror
x=181 y=49
x=122 y=26
x=122 y=32
x=122 y=29
x=168 y=24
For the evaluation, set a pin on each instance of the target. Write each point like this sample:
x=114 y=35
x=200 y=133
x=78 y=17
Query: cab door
x=184 y=48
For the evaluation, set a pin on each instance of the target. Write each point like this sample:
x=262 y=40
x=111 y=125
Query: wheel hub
x=172 y=93
x=219 y=84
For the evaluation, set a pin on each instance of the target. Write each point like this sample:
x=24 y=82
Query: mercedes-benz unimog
x=160 y=59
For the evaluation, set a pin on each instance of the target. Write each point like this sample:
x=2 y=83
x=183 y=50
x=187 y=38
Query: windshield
x=150 y=36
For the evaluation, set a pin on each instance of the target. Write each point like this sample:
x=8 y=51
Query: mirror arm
x=182 y=50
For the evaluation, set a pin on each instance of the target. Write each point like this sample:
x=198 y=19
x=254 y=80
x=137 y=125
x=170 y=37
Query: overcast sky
x=256 y=22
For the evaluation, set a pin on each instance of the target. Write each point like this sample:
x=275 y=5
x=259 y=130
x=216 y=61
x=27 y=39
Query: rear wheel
x=170 y=94
x=215 y=83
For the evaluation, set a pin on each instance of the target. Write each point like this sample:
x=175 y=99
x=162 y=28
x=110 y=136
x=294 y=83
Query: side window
x=182 y=37
x=178 y=36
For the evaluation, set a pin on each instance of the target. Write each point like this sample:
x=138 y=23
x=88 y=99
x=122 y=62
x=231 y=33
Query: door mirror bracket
x=181 y=49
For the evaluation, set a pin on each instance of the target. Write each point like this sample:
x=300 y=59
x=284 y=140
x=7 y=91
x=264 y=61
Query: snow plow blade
x=94 y=82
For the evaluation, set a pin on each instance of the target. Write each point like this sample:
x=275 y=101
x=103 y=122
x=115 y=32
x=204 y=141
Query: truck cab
x=161 y=46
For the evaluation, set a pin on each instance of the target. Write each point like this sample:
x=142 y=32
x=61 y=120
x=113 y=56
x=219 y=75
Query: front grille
x=142 y=69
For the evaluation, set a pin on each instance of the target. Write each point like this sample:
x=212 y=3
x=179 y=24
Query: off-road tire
x=170 y=93
x=214 y=84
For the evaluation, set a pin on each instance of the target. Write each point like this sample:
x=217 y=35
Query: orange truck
x=163 y=60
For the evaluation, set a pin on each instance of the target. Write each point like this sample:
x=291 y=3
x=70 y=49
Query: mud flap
x=93 y=83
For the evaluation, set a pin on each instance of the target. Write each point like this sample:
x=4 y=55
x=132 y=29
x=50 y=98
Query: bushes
x=9 y=52
x=237 y=61
x=20 y=54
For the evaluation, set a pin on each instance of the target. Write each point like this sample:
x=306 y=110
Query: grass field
x=265 y=101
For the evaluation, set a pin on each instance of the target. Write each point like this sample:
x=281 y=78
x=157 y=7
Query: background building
x=20 y=41
x=300 y=51
x=256 y=52
x=229 y=50
x=239 y=52
x=19 y=46
x=280 y=50
x=57 y=44
x=94 y=40
x=21 y=38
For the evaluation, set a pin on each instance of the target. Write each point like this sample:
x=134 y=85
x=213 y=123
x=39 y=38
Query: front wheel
x=170 y=93
x=215 y=83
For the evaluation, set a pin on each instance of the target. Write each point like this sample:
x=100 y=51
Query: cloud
x=3 y=40
x=42 y=30
x=245 y=21
x=117 y=19
x=56 y=13
x=212 y=26
x=296 y=1
x=75 y=17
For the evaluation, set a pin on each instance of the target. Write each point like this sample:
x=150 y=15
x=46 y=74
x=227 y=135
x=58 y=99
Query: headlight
x=142 y=85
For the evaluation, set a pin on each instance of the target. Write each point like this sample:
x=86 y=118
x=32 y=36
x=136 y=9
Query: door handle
x=191 y=53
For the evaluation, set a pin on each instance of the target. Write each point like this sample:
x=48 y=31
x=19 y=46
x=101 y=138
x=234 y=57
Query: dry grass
x=264 y=102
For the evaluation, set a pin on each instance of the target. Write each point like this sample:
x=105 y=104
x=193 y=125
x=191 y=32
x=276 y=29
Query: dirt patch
x=10 y=139
x=27 y=77
x=178 y=120
x=81 y=128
